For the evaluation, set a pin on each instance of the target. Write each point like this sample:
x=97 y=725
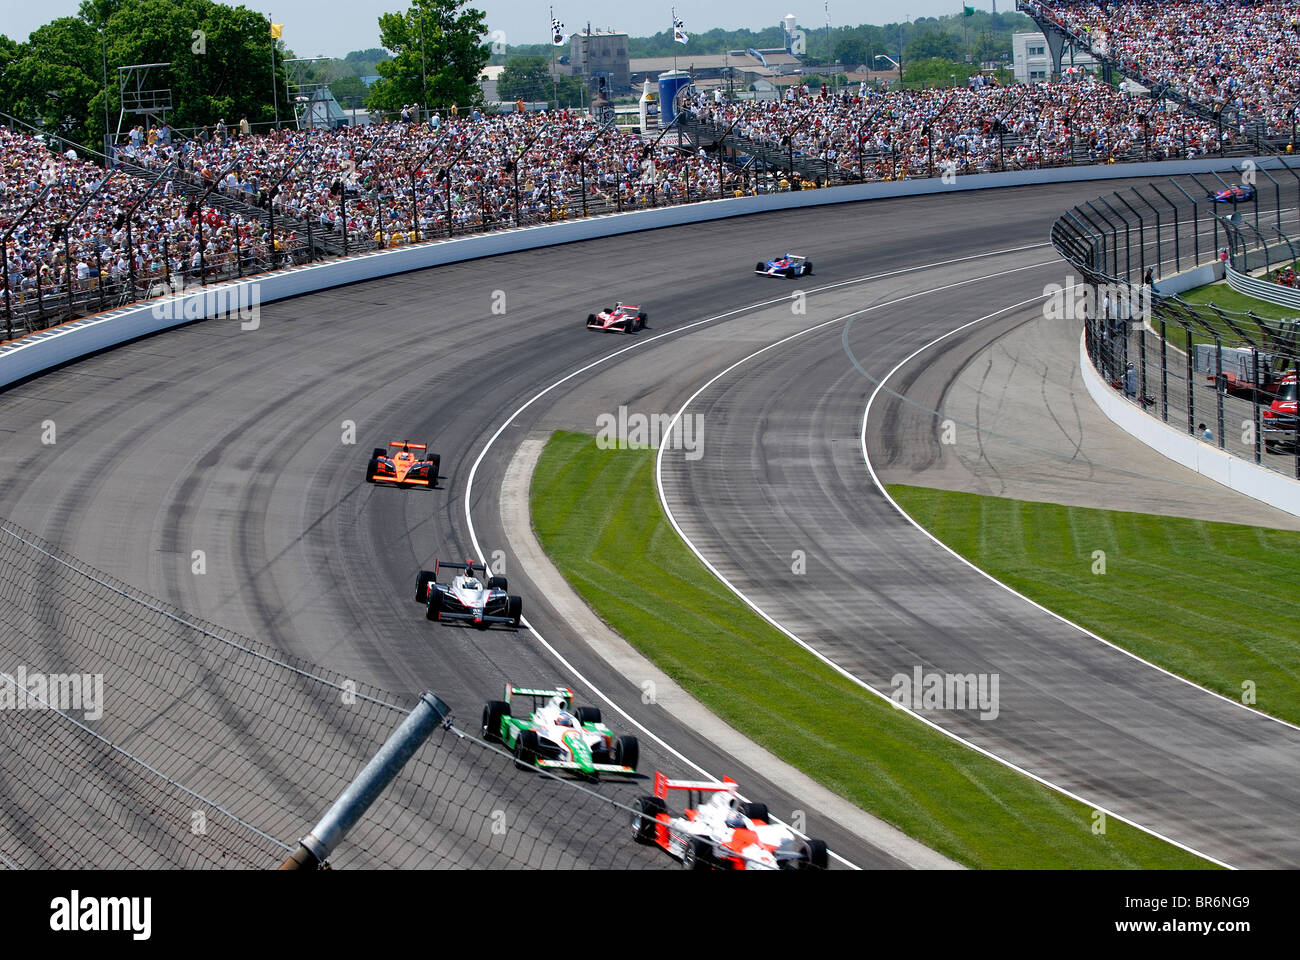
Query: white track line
x=820 y=656
x=469 y=486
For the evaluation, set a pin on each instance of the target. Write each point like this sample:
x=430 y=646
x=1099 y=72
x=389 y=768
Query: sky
x=332 y=28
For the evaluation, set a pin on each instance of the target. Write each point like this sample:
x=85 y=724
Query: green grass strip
x=597 y=515
x=1211 y=602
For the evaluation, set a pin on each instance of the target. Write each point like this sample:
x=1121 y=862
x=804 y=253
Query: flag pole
x=673 y=41
x=555 y=83
x=275 y=93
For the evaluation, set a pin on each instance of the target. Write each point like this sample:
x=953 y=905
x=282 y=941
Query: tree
x=937 y=71
x=529 y=79
x=932 y=43
x=438 y=55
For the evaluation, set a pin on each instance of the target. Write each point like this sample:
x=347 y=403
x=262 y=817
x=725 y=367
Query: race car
x=624 y=318
x=556 y=735
x=718 y=830
x=1241 y=193
x=481 y=601
x=1278 y=423
x=403 y=468
x=786 y=265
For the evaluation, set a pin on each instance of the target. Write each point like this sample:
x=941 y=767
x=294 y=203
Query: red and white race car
x=624 y=318
x=718 y=830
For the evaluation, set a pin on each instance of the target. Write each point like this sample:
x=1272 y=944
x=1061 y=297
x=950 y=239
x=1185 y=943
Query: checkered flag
x=679 y=30
x=558 y=36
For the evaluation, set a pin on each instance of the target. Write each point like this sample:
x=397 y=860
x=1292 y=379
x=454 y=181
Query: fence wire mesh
x=207 y=749
x=1209 y=360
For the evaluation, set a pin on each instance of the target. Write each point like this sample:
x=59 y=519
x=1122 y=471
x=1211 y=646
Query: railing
x=1224 y=373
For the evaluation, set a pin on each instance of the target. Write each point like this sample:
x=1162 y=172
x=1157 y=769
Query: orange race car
x=403 y=467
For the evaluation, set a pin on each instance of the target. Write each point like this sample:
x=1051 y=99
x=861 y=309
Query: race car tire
x=697 y=855
x=494 y=711
x=422 y=582
x=629 y=326
x=644 y=819
x=807 y=269
x=378 y=452
x=813 y=856
x=640 y=321
x=587 y=714
x=434 y=470
x=627 y=752
x=515 y=610
x=435 y=605
x=526 y=748
x=591 y=318
x=759 y=267
x=497 y=583
x=371 y=467
x=791 y=272
x=755 y=811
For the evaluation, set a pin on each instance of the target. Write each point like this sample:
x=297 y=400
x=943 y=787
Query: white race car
x=718 y=830
x=468 y=597
x=556 y=735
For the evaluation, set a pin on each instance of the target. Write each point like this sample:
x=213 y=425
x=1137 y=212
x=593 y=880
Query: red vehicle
x=624 y=318
x=403 y=468
x=719 y=831
x=1278 y=422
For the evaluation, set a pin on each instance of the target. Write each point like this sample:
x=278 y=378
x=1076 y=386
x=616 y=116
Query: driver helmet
x=563 y=719
x=735 y=820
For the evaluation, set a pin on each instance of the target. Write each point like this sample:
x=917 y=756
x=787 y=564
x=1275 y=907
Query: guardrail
x=1263 y=289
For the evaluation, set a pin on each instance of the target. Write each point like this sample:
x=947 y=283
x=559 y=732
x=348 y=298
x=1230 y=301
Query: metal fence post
x=1218 y=384
x=1164 y=372
x=1254 y=399
x=1191 y=403
x=373 y=779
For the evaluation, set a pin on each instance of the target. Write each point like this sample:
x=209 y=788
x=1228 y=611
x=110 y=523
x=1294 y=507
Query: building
x=1032 y=61
x=601 y=55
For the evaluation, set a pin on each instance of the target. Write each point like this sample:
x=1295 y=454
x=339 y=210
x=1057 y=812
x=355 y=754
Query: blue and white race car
x=786 y=265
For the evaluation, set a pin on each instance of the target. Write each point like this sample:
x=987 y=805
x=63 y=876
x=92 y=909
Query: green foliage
x=936 y=71
x=438 y=56
x=529 y=79
x=220 y=60
x=932 y=44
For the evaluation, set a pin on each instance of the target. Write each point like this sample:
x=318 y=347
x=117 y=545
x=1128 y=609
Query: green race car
x=557 y=736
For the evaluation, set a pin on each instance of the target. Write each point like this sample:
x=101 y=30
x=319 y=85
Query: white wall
x=41 y=351
x=1205 y=458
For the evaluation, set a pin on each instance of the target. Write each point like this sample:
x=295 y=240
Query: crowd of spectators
x=1238 y=54
x=976 y=128
x=396 y=182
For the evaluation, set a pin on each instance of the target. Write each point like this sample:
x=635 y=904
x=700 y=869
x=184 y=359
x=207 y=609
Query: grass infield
x=1208 y=601
x=597 y=514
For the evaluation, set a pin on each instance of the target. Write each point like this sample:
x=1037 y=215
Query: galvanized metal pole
x=383 y=767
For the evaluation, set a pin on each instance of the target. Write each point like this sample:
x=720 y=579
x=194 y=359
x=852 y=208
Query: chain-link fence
x=134 y=735
x=1209 y=359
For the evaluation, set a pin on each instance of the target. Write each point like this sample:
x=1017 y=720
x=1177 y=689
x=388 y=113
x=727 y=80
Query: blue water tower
x=670 y=83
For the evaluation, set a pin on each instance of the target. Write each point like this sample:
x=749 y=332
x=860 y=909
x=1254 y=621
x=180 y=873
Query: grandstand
x=196 y=209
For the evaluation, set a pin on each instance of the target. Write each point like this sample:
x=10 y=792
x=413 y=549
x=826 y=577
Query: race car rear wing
x=537 y=692
x=408 y=446
x=469 y=566
x=663 y=784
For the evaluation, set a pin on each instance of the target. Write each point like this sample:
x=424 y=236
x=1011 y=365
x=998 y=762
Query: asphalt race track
x=232 y=442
